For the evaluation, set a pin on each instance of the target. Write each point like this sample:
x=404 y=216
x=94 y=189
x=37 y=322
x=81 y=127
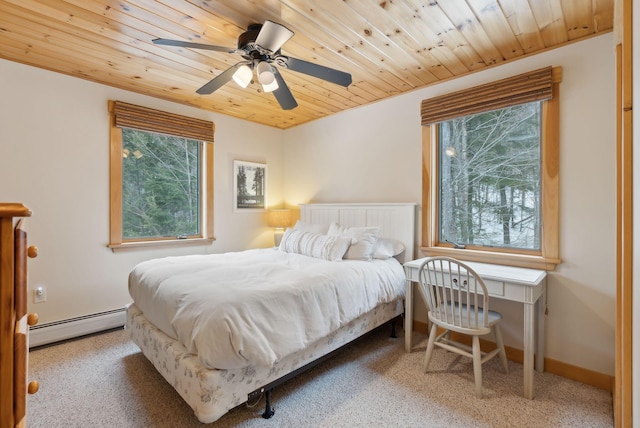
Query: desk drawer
x=495 y=288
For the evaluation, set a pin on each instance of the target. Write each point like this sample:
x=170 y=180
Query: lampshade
x=279 y=218
x=266 y=77
x=243 y=75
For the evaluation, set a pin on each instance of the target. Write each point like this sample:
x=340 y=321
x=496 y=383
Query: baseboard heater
x=56 y=331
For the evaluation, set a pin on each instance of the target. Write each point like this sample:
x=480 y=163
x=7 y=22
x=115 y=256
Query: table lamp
x=280 y=219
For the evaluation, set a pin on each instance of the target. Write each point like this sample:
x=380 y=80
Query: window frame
x=116 y=241
x=548 y=257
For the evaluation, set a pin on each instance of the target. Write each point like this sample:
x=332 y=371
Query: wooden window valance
x=528 y=87
x=147 y=119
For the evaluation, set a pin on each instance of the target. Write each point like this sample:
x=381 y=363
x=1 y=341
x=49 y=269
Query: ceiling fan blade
x=272 y=36
x=329 y=74
x=219 y=81
x=283 y=94
x=182 y=44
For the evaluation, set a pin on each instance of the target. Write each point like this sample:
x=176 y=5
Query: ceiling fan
x=260 y=47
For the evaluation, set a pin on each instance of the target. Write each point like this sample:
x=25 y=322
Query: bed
x=329 y=276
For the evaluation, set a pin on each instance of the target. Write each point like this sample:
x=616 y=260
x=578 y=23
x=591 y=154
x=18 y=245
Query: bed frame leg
x=268 y=410
x=393 y=329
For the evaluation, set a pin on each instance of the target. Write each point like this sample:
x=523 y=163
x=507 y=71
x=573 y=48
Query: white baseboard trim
x=56 y=331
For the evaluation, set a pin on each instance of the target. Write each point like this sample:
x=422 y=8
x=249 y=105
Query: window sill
x=518 y=260
x=164 y=243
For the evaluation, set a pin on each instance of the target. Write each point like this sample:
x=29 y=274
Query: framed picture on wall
x=250 y=186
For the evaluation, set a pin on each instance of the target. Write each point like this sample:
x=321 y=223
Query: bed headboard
x=397 y=220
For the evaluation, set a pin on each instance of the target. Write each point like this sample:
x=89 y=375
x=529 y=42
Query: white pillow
x=311 y=227
x=316 y=245
x=386 y=248
x=363 y=240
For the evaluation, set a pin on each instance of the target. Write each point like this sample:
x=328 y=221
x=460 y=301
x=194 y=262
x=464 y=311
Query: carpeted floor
x=104 y=381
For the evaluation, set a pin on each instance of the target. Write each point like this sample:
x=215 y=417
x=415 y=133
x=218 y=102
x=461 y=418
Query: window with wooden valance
x=161 y=178
x=451 y=125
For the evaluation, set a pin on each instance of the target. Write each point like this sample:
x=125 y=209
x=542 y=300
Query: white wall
x=373 y=154
x=54 y=158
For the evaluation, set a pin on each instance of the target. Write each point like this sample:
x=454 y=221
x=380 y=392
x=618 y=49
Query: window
x=489 y=178
x=161 y=178
x=490 y=172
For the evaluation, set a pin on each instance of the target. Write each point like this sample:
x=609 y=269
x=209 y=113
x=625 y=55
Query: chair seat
x=466 y=312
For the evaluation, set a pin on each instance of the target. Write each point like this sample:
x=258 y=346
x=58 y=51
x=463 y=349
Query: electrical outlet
x=40 y=294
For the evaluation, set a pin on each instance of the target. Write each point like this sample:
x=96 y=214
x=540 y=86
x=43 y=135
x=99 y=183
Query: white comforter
x=258 y=306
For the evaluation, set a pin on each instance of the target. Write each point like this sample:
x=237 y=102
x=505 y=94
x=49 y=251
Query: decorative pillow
x=316 y=245
x=363 y=240
x=386 y=248
x=311 y=227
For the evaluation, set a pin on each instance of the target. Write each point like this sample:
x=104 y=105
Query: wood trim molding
x=623 y=390
x=550 y=177
x=209 y=181
x=428 y=211
x=115 y=179
x=160 y=243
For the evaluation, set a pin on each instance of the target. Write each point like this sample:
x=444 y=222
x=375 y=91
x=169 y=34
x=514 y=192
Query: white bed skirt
x=212 y=393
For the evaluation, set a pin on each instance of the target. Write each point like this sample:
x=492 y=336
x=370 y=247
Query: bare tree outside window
x=489 y=172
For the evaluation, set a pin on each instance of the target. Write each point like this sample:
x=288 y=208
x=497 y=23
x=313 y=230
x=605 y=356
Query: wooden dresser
x=14 y=321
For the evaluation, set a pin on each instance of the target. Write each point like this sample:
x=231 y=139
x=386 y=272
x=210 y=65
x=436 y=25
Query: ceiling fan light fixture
x=266 y=77
x=270 y=87
x=265 y=73
x=243 y=76
x=260 y=47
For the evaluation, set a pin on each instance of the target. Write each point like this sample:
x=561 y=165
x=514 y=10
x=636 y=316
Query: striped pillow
x=316 y=245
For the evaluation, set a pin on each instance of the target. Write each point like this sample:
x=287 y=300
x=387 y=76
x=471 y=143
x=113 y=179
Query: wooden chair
x=458 y=301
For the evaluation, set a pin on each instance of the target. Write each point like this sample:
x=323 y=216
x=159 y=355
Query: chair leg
x=430 y=345
x=477 y=365
x=500 y=344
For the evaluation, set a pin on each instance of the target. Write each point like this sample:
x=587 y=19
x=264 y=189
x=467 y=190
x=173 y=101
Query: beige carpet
x=104 y=381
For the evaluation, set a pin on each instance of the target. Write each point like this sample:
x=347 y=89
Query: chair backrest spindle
x=454 y=293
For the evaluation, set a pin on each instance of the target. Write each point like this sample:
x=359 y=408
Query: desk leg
x=408 y=316
x=529 y=335
x=541 y=303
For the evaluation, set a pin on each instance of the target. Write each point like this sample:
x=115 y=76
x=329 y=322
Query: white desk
x=526 y=286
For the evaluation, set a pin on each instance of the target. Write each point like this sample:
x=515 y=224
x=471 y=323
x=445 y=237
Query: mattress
x=256 y=307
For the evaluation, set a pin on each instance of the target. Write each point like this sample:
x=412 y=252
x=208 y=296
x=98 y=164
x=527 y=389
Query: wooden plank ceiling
x=389 y=47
